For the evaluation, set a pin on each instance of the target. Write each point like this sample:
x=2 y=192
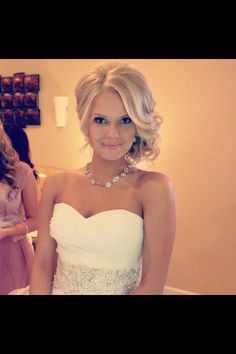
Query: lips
x=111 y=146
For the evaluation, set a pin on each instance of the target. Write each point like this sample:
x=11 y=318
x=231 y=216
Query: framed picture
x=31 y=83
x=30 y=100
x=6 y=100
x=6 y=84
x=7 y=117
x=18 y=100
x=19 y=118
x=32 y=116
x=18 y=82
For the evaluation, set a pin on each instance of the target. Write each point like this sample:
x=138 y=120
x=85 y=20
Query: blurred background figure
x=21 y=145
x=19 y=195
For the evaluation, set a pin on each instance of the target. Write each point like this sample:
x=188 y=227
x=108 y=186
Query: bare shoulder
x=22 y=168
x=155 y=187
x=55 y=183
x=152 y=179
x=59 y=183
x=56 y=178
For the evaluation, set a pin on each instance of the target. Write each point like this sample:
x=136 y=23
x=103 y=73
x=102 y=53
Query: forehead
x=108 y=103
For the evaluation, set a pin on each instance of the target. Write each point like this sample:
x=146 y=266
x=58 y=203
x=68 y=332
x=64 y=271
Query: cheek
x=130 y=132
x=94 y=132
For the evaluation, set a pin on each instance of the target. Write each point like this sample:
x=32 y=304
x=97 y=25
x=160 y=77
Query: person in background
x=18 y=216
x=109 y=227
x=20 y=143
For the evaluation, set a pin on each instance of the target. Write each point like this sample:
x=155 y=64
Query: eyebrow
x=102 y=115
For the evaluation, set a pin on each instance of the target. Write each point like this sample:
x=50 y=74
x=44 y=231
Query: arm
x=30 y=202
x=45 y=257
x=159 y=234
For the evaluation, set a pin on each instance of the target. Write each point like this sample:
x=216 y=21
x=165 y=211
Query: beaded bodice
x=97 y=255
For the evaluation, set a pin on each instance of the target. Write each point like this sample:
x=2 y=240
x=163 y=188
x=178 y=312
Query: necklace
x=115 y=179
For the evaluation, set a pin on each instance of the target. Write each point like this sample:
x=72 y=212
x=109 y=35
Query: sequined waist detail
x=71 y=279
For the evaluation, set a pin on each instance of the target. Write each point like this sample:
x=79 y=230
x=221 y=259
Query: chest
x=90 y=200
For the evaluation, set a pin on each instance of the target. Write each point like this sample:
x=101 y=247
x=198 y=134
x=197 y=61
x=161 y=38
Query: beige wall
x=197 y=99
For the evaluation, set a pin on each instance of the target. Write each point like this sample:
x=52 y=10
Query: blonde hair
x=8 y=160
x=131 y=85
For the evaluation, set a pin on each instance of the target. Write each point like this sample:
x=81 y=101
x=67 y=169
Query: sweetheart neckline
x=101 y=212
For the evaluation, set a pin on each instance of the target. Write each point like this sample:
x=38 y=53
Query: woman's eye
x=100 y=120
x=126 y=120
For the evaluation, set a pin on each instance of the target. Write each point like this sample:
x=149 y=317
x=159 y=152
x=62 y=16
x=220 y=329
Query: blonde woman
x=109 y=227
x=18 y=216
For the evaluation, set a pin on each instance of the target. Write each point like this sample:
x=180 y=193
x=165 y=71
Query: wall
x=197 y=101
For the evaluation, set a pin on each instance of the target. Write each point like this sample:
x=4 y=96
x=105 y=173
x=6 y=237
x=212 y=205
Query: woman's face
x=110 y=129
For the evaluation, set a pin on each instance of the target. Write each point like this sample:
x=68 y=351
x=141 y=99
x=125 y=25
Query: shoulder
x=153 y=180
x=62 y=177
x=23 y=167
x=22 y=173
x=58 y=181
x=156 y=188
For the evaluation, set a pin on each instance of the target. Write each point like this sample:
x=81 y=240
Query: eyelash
x=129 y=120
x=99 y=120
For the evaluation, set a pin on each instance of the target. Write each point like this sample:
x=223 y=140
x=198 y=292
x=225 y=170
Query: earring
x=137 y=140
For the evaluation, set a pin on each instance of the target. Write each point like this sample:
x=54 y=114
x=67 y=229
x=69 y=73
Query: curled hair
x=131 y=85
x=8 y=161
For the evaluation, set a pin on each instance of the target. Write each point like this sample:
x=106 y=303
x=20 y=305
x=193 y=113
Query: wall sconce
x=61 y=109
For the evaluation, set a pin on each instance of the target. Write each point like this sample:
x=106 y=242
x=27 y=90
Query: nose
x=112 y=131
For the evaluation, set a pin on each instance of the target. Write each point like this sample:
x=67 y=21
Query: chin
x=111 y=155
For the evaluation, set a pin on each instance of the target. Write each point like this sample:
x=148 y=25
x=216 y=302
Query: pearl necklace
x=115 y=179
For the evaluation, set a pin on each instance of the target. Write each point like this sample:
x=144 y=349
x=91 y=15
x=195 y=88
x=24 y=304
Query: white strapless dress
x=96 y=255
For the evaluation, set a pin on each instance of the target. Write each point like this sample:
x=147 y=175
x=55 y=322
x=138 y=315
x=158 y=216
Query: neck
x=106 y=169
x=115 y=179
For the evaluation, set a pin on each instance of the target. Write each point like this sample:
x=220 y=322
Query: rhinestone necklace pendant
x=115 y=179
x=108 y=184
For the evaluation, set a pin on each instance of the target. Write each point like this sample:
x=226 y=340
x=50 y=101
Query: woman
x=109 y=227
x=18 y=216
